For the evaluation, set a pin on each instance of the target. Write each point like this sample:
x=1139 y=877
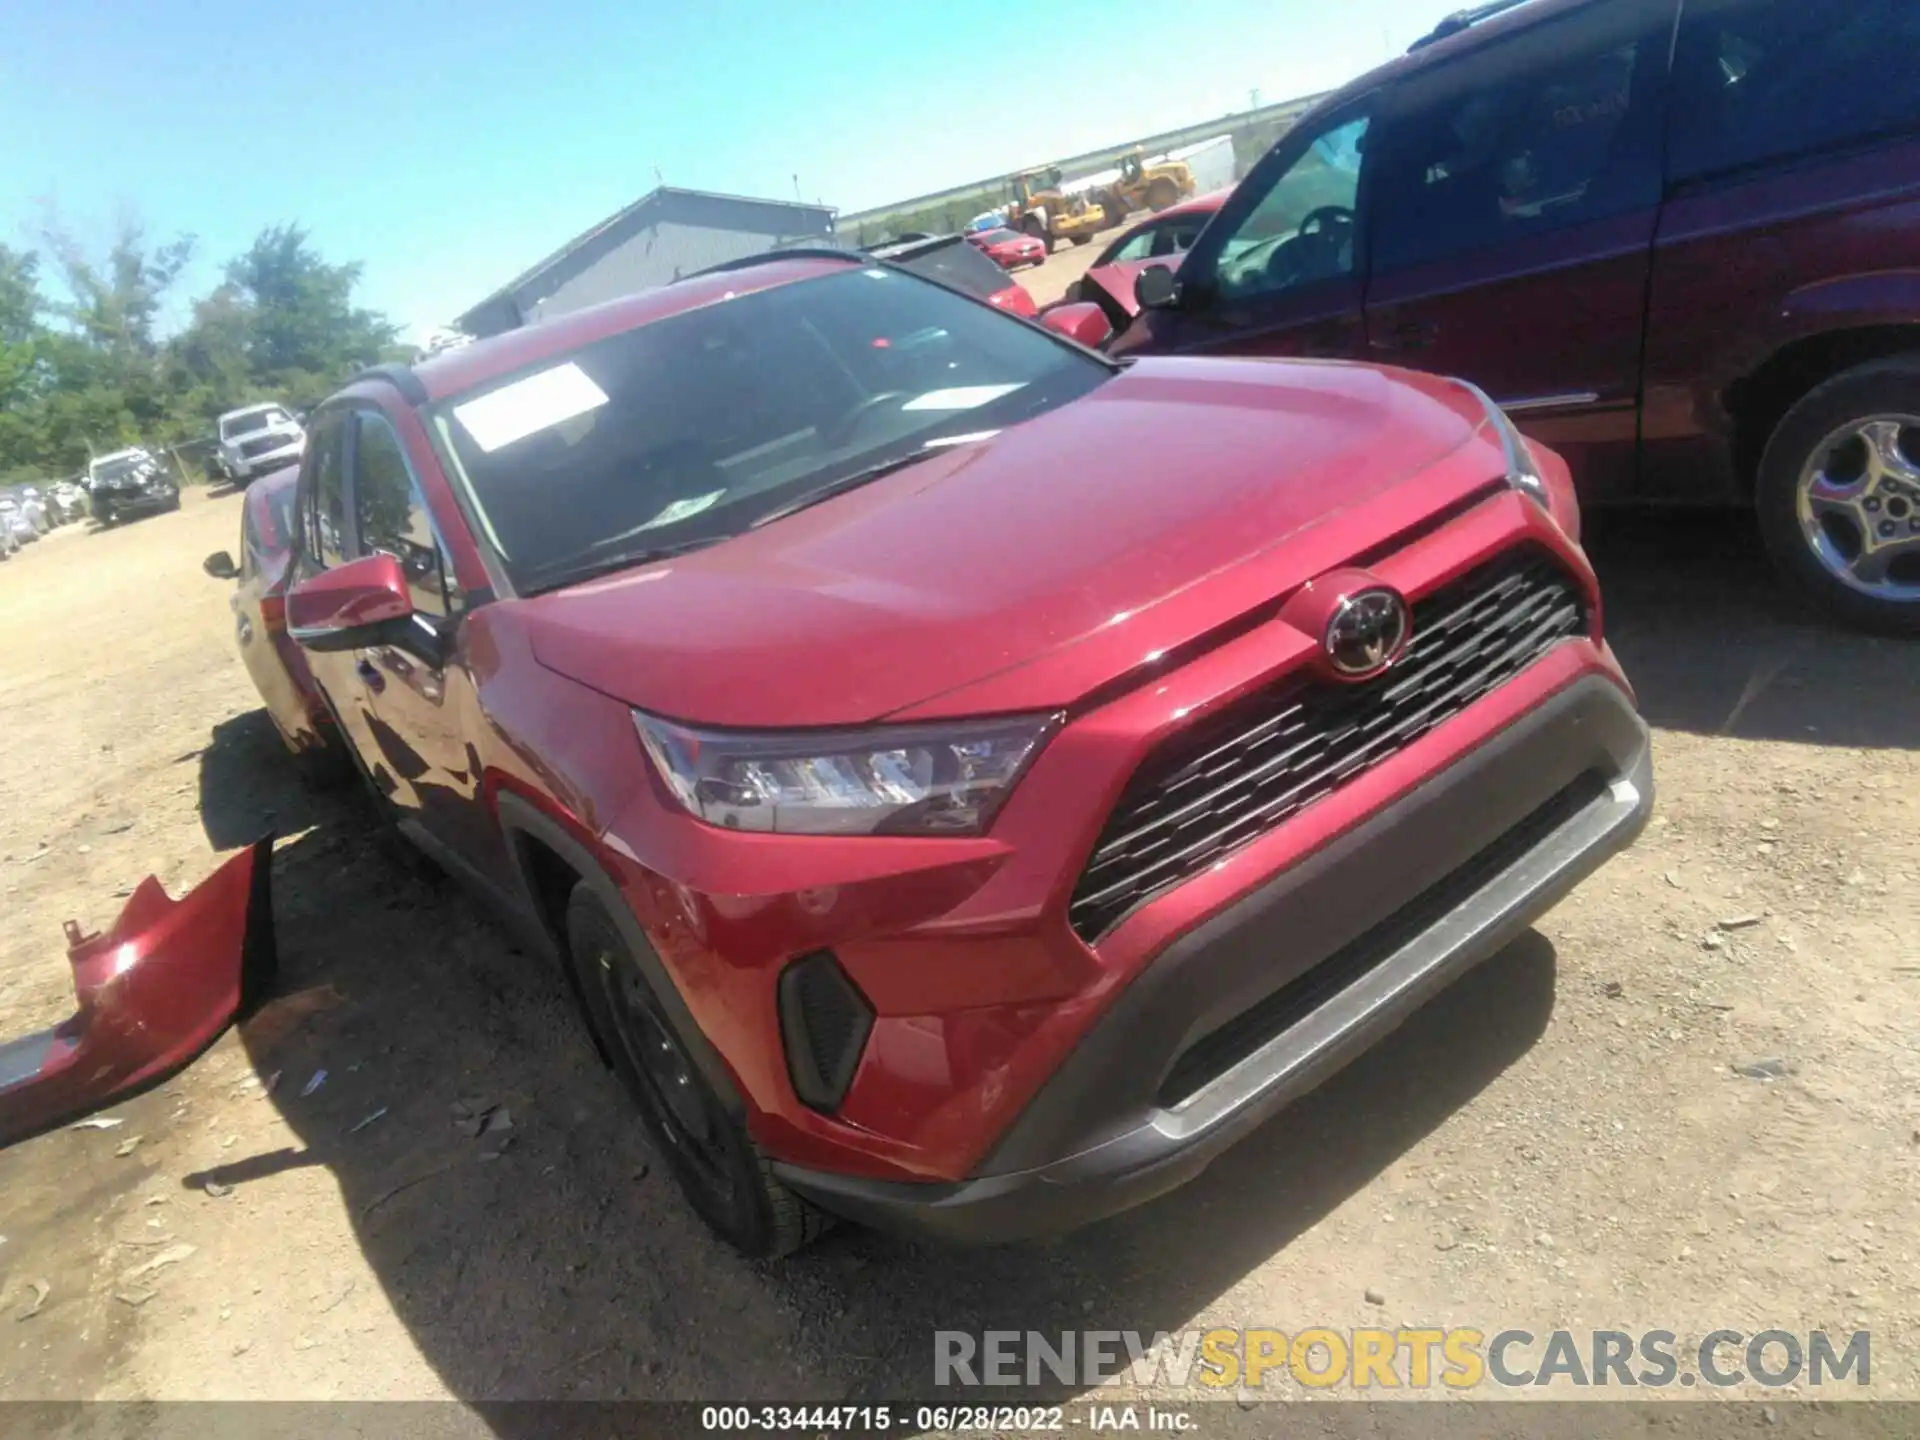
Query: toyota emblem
x=1366 y=633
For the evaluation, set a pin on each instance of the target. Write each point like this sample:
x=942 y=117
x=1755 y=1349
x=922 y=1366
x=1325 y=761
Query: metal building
x=663 y=235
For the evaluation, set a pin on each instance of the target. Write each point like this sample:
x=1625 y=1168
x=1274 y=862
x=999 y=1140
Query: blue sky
x=449 y=145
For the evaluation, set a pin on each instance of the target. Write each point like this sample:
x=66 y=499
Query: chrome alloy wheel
x=1858 y=502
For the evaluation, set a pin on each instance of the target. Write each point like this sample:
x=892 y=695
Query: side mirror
x=220 y=566
x=350 y=606
x=1081 y=321
x=1156 y=289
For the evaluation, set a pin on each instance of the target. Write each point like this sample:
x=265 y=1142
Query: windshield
x=253 y=420
x=119 y=469
x=688 y=430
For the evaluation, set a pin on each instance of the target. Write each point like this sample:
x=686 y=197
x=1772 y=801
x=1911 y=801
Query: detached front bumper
x=152 y=993
x=1269 y=997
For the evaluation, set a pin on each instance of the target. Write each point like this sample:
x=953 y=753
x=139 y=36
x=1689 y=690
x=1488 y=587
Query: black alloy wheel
x=726 y=1179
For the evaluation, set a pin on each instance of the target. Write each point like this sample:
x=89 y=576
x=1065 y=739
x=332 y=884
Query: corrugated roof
x=617 y=227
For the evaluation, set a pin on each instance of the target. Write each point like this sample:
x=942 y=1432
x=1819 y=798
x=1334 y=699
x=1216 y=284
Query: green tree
x=307 y=335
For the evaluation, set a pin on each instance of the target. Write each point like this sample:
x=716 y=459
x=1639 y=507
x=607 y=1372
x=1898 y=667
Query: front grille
x=1233 y=777
x=265 y=446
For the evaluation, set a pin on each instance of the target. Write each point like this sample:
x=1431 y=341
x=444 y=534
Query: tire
x=1161 y=193
x=1818 y=547
x=724 y=1176
x=1083 y=239
x=106 y=517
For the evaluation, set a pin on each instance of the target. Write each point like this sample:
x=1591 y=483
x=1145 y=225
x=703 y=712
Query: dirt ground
x=1560 y=1140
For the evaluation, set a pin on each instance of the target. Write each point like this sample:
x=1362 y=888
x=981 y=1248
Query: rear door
x=1278 y=271
x=326 y=541
x=1514 y=203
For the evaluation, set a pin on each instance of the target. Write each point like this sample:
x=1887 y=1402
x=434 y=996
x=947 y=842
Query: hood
x=990 y=557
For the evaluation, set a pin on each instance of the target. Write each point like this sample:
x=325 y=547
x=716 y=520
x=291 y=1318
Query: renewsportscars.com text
x=1415 y=1358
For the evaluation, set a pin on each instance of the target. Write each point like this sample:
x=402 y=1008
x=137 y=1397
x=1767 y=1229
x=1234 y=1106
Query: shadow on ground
x=555 y=1260
x=1716 y=644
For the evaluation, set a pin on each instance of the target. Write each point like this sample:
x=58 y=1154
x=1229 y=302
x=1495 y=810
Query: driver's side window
x=1304 y=229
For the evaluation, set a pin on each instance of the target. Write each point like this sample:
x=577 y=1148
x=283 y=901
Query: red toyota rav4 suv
x=937 y=829
x=1681 y=243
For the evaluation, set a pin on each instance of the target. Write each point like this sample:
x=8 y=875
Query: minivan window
x=1302 y=229
x=1762 y=80
x=1538 y=132
x=695 y=427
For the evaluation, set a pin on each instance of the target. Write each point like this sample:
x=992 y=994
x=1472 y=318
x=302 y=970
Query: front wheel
x=1838 y=496
x=726 y=1179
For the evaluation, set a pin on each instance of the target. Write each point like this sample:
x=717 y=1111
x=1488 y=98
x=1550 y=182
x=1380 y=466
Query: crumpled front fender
x=153 y=992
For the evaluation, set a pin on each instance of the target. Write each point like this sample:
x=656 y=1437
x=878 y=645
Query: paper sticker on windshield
x=960 y=397
x=528 y=406
x=681 y=509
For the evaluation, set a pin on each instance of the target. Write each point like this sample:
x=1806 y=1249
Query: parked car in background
x=939 y=829
x=1009 y=249
x=26 y=500
x=257 y=439
x=949 y=260
x=14 y=520
x=66 y=502
x=1676 y=243
x=275 y=662
x=129 y=483
x=1163 y=239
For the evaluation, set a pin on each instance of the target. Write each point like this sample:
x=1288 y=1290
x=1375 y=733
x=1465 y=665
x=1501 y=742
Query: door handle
x=370 y=672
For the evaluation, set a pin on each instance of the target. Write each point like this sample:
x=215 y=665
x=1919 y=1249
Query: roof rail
x=1464 y=20
x=770 y=257
x=398 y=375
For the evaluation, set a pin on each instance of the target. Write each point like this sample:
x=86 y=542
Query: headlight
x=947 y=779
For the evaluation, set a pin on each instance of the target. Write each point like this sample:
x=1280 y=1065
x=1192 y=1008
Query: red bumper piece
x=153 y=992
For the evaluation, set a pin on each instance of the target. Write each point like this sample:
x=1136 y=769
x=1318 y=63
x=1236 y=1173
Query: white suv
x=257 y=439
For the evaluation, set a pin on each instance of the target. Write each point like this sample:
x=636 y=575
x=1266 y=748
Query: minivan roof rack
x=1464 y=20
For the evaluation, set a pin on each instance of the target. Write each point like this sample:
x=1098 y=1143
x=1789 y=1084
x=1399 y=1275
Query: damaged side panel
x=153 y=992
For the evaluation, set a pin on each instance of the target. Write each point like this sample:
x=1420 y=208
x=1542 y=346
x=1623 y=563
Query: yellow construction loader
x=1037 y=206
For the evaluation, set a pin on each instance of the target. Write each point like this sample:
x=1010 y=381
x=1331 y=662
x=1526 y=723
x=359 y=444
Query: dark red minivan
x=1678 y=240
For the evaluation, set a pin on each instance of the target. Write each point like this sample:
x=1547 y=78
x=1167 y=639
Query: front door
x=1514 y=201
x=420 y=696
x=1277 y=272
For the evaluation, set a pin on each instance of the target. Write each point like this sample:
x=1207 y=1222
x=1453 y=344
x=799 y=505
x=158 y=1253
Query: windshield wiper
x=850 y=482
x=576 y=572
